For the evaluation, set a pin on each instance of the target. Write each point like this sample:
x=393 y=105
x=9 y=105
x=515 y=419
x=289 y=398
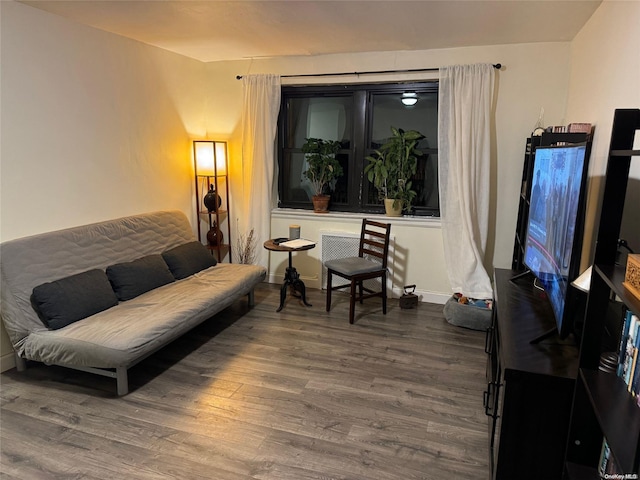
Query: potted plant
x=391 y=168
x=322 y=169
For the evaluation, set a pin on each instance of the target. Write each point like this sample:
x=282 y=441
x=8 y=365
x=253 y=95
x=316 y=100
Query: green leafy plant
x=322 y=164
x=392 y=166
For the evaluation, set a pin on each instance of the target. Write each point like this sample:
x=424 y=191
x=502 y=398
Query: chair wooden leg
x=352 y=302
x=361 y=290
x=328 y=290
x=384 y=294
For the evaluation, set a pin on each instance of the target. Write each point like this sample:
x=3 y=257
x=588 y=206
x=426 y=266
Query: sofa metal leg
x=21 y=363
x=251 y=297
x=122 y=381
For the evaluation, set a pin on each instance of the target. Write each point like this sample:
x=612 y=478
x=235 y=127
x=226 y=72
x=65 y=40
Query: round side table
x=291 y=276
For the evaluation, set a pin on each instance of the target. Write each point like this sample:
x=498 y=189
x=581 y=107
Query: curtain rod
x=497 y=66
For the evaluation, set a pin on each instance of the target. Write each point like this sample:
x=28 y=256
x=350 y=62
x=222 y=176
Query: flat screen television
x=555 y=226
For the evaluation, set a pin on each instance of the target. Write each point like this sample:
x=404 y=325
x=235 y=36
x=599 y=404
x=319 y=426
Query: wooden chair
x=371 y=262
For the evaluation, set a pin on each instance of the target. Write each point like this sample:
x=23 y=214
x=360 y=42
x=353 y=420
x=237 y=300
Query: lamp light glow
x=409 y=98
x=221 y=158
x=203 y=152
x=210 y=157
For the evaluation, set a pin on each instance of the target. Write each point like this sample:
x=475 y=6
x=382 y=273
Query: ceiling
x=232 y=30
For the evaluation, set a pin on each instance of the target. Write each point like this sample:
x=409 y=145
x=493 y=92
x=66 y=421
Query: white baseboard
x=426 y=296
x=423 y=295
x=7 y=362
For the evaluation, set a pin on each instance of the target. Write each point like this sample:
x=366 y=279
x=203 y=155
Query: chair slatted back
x=374 y=240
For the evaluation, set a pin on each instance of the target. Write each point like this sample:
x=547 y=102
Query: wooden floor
x=255 y=394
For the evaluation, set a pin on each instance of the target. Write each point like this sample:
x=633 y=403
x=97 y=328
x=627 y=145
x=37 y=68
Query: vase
x=214 y=235
x=390 y=209
x=321 y=203
x=212 y=200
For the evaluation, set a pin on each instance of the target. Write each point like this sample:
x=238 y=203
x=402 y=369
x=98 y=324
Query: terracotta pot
x=321 y=203
x=389 y=208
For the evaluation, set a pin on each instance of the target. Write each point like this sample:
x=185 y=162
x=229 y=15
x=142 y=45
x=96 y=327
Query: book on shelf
x=628 y=356
x=579 y=128
x=607 y=464
x=626 y=324
x=627 y=347
x=605 y=454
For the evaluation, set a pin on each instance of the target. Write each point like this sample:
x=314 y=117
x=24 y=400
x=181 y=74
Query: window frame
x=361 y=125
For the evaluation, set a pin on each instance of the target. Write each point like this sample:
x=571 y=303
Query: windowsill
x=416 y=221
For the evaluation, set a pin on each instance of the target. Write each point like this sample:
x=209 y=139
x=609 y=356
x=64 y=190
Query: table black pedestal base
x=292 y=278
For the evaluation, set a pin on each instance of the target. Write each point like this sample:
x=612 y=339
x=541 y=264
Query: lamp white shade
x=221 y=158
x=209 y=153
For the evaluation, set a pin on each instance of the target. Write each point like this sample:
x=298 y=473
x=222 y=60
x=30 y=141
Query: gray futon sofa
x=102 y=297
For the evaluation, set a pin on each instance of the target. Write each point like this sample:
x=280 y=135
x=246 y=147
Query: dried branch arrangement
x=246 y=247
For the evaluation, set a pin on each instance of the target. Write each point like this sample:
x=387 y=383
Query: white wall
x=534 y=76
x=94 y=126
x=605 y=75
x=97 y=126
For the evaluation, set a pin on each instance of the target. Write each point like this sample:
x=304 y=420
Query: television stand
x=529 y=386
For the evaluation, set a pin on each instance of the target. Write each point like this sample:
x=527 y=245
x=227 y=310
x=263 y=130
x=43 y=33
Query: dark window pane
x=328 y=118
x=300 y=188
x=425 y=182
x=360 y=118
x=389 y=111
x=339 y=187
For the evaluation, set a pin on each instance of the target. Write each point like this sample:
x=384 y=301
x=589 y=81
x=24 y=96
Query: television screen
x=556 y=222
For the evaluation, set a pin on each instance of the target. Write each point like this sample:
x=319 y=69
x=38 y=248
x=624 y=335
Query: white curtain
x=464 y=123
x=261 y=104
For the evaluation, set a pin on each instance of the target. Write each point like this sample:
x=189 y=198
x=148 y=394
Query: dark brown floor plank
x=255 y=394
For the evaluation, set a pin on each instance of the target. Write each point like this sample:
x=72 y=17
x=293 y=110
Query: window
x=360 y=117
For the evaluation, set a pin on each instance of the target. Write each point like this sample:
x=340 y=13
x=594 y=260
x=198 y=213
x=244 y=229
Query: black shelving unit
x=602 y=406
x=533 y=142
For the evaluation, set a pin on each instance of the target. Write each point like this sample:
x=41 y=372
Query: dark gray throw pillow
x=73 y=298
x=187 y=259
x=131 y=279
